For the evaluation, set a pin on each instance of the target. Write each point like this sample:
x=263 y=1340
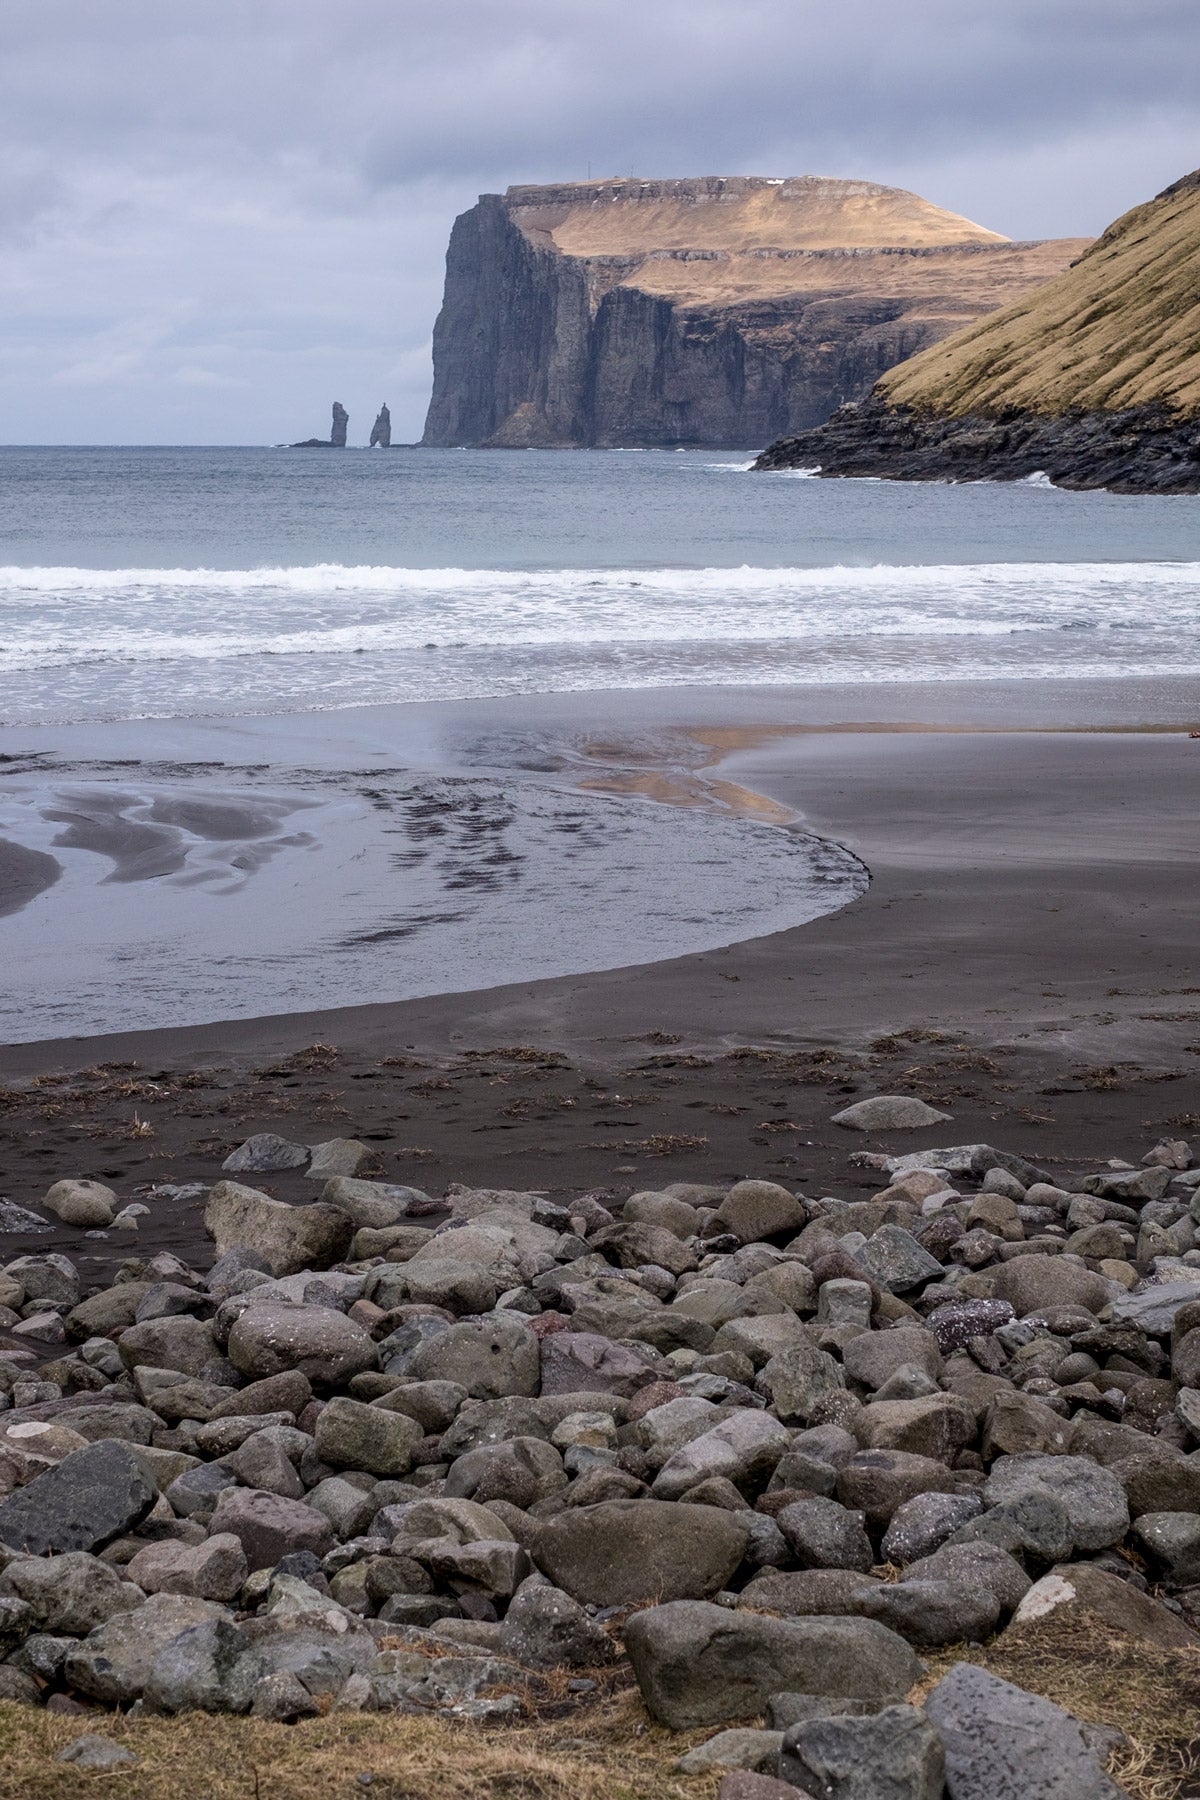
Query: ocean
x=166 y=583
x=284 y=731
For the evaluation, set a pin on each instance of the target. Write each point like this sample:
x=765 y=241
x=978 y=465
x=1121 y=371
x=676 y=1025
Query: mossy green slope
x=1117 y=330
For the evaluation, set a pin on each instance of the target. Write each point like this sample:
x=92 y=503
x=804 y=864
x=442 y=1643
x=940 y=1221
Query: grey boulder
x=545 y=1629
x=889 y=1112
x=622 y=1551
x=1091 y=1497
x=491 y=1357
x=317 y=1341
x=265 y=1154
x=287 y=1238
x=698 y=1664
x=891 y=1755
x=114 y=1662
x=1004 y=1744
x=81 y=1503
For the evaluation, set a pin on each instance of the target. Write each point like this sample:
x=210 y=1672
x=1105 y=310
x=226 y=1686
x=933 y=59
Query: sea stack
x=1092 y=381
x=381 y=430
x=337 y=436
x=712 y=311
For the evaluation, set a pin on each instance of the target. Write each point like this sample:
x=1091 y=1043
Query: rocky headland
x=1092 y=381
x=797 y=1474
x=715 y=311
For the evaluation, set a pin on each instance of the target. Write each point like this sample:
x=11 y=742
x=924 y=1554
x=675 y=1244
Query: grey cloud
x=215 y=218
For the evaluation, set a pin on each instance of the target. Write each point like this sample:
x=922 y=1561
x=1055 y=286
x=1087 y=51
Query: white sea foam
x=87 y=642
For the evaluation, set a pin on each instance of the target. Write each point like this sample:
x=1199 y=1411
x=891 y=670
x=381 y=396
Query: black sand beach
x=1025 y=957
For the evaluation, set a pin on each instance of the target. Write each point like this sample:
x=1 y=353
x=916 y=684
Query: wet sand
x=1034 y=888
x=24 y=874
x=1025 y=958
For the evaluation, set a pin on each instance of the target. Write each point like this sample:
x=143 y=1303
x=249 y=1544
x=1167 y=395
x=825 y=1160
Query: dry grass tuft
x=603 y=1749
x=608 y=1753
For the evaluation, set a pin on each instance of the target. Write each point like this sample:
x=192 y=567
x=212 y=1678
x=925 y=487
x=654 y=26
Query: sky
x=215 y=219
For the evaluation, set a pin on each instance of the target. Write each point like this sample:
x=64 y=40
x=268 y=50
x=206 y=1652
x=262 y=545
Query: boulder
x=801 y=1593
x=1002 y=1743
x=1172 y=1541
x=213 y=1570
x=894 y=1260
x=937 y=1426
x=265 y=1154
x=460 y=1287
x=824 y=1535
x=923 y=1524
x=544 y=1628
x=1076 y=1590
x=114 y=1663
x=325 y=1346
x=287 y=1238
x=1033 y=1283
x=288 y=1392
x=73 y=1593
x=87 y=1204
x=270 y=1526
x=982 y=1566
x=753 y=1210
x=179 y=1343
x=895 y=1754
x=698 y=1664
x=761 y=1339
x=932 y=1613
x=90 y=1497
x=210 y=1667
x=521 y=1471
x=874 y=1356
x=337 y=1158
x=576 y=1362
x=744 y=1449
x=958 y=1323
x=1091 y=1497
x=370 y=1205
x=878 y=1481
x=351 y=1435
x=798 y=1378
x=490 y=1357
x=889 y=1112
x=623 y=1551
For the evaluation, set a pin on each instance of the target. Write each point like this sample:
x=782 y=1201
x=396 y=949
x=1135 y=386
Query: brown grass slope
x=1119 y=329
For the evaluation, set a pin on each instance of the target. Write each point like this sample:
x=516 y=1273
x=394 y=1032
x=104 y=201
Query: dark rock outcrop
x=381 y=430
x=713 y=311
x=1093 y=382
x=337 y=436
x=1142 y=451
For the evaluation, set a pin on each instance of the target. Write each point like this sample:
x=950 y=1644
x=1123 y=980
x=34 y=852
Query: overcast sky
x=216 y=218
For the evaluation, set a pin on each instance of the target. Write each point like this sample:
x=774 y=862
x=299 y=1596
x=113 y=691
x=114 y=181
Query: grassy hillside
x=1119 y=329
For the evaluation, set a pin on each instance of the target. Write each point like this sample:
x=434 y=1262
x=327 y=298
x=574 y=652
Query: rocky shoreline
x=1144 y=450
x=761 y=1451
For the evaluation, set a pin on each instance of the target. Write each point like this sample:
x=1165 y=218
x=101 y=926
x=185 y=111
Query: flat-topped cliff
x=1093 y=379
x=716 y=311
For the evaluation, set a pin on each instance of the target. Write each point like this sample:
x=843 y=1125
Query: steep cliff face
x=715 y=311
x=1092 y=380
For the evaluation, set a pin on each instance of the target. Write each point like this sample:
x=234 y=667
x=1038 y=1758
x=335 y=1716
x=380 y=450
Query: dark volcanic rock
x=1145 y=450
x=86 y=1499
x=381 y=430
